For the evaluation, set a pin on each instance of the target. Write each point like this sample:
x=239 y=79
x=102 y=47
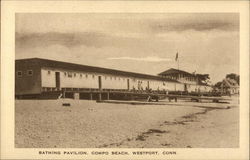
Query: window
x=65 y=73
x=29 y=72
x=69 y=74
x=93 y=76
x=74 y=74
x=81 y=75
x=86 y=76
x=48 y=72
x=19 y=73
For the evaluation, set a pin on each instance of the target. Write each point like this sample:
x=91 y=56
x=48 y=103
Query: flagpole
x=177 y=58
x=178 y=62
x=178 y=68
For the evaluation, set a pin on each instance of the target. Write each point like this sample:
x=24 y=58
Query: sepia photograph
x=124 y=80
x=133 y=80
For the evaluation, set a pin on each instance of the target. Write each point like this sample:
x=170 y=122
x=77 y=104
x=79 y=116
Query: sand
x=87 y=124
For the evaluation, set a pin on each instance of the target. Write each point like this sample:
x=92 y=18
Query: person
x=166 y=92
x=133 y=89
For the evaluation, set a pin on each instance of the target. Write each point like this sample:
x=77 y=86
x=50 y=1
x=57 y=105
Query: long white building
x=37 y=76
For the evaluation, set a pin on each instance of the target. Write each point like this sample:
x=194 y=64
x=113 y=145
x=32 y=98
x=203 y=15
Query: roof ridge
x=77 y=66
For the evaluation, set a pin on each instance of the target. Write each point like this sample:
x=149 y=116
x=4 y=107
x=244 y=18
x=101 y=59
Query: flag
x=176 y=57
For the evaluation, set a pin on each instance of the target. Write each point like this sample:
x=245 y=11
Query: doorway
x=185 y=87
x=100 y=82
x=128 y=84
x=58 y=80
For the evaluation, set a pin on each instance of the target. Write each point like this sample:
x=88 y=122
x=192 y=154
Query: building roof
x=175 y=71
x=227 y=82
x=78 y=67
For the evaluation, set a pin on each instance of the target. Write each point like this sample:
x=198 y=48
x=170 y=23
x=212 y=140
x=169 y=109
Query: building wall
x=163 y=85
x=190 y=82
x=155 y=85
x=133 y=83
x=182 y=78
x=73 y=79
x=114 y=82
x=179 y=87
x=171 y=86
x=234 y=90
x=79 y=80
x=138 y=83
x=27 y=84
x=187 y=80
x=69 y=79
x=48 y=78
x=192 y=87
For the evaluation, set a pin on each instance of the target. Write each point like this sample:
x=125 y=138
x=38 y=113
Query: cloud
x=200 y=26
x=145 y=59
x=198 y=22
x=90 y=39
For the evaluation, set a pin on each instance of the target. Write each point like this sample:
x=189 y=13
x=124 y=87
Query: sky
x=206 y=43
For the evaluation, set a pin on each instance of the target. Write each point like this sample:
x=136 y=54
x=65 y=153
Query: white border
x=9 y=8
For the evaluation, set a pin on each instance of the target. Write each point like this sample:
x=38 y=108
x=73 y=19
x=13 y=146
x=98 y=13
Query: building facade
x=229 y=86
x=36 y=76
x=190 y=81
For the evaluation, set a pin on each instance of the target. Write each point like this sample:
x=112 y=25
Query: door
x=100 y=82
x=148 y=85
x=58 y=80
x=185 y=87
x=128 y=83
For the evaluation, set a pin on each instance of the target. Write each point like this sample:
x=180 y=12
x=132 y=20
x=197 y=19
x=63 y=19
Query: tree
x=234 y=76
x=204 y=78
x=218 y=85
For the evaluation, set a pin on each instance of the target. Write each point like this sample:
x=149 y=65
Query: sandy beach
x=87 y=124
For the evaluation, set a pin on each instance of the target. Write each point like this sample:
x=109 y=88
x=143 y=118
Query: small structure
x=229 y=86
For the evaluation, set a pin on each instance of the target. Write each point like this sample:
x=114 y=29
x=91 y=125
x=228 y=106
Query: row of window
x=28 y=73
x=189 y=78
x=181 y=77
x=70 y=75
